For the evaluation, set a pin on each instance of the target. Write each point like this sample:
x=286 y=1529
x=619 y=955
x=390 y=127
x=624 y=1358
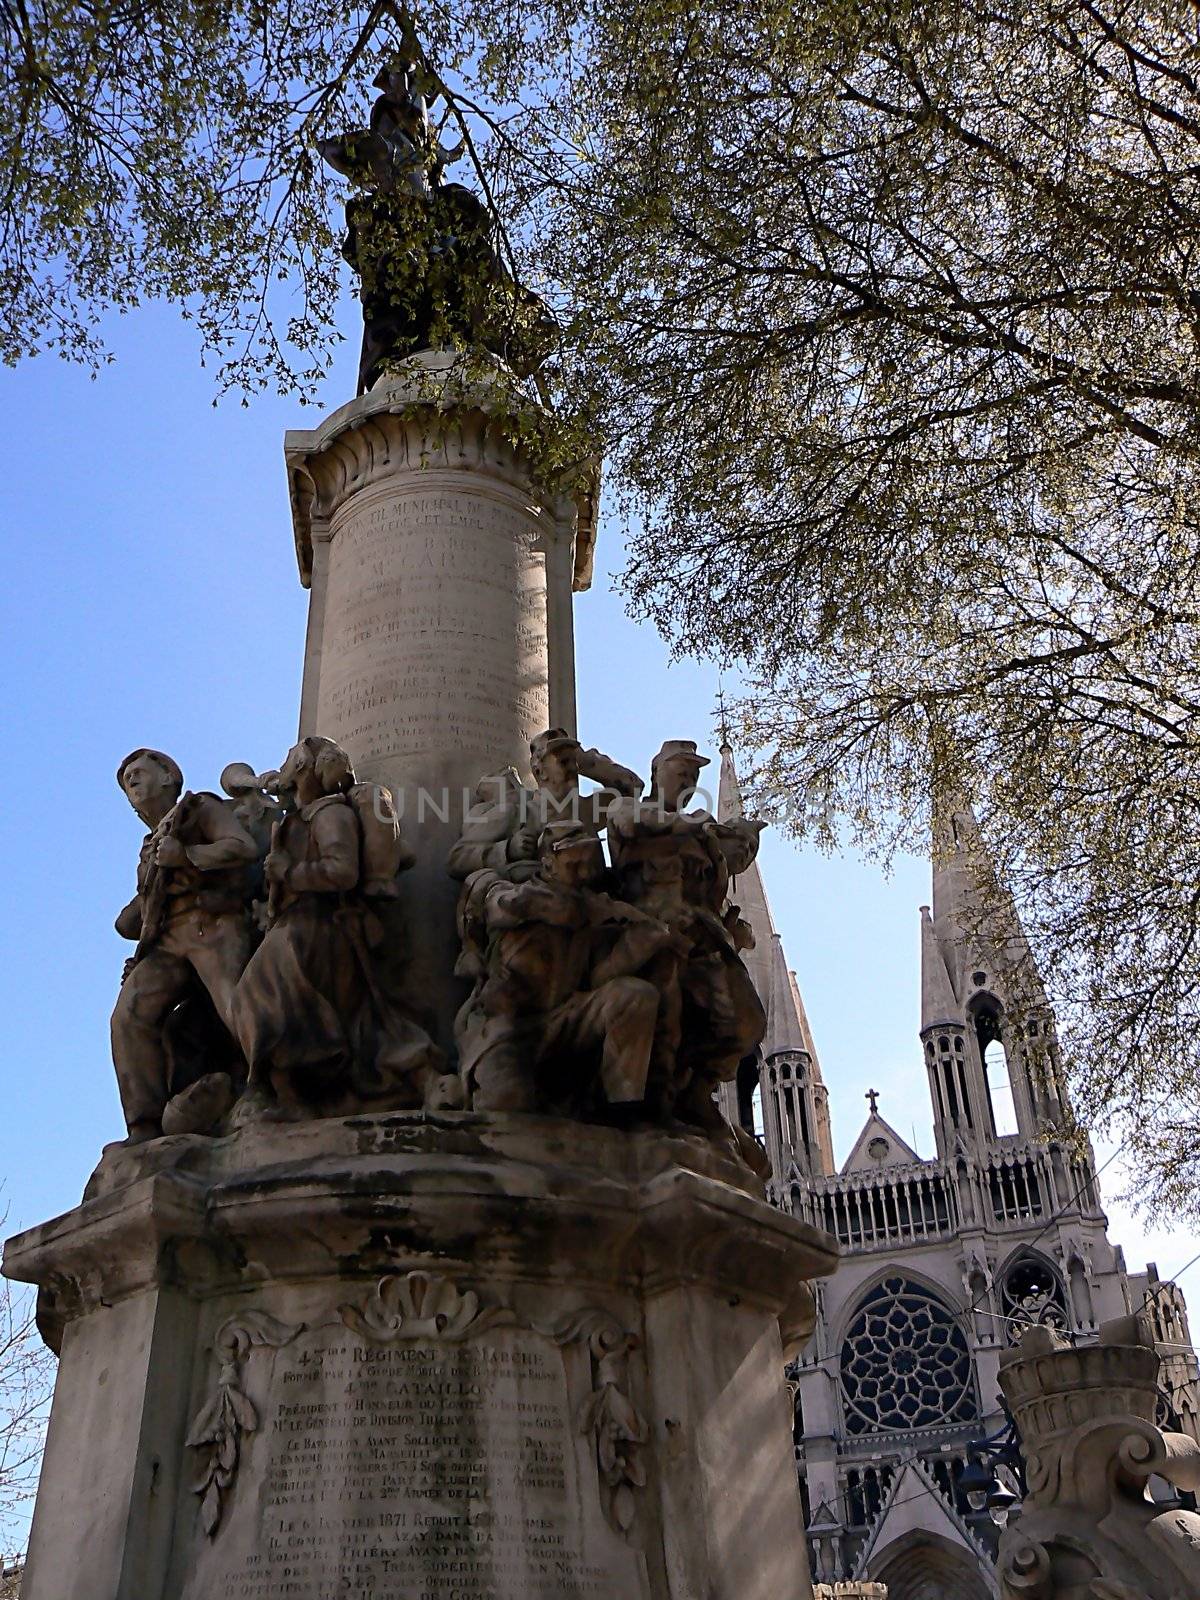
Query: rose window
x=905 y=1362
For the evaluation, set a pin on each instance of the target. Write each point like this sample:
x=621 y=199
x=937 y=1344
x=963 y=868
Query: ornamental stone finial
x=1087 y=1420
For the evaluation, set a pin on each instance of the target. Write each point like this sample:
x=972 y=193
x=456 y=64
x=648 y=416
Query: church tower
x=945 y=1260
x=986 y=1026
x=780 y=1095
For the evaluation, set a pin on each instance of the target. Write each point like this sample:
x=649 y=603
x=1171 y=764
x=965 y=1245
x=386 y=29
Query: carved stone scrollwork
x=429 y=1307
x=423 y=1305
x=217 y=1431
x=1025 y=1570
x=1088 y=1530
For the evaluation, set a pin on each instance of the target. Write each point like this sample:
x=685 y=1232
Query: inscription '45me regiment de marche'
x=389 y=1379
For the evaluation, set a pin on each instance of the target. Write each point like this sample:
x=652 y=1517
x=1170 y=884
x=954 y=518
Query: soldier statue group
x=263 y=982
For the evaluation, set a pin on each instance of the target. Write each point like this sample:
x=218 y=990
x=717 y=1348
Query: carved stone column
x=421 y=1357
x=1086 y=1416
x=440 y=635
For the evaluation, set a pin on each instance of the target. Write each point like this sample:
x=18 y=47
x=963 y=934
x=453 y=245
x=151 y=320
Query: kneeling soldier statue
x=566 y=1003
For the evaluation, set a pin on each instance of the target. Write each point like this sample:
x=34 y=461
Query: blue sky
x=151 y=597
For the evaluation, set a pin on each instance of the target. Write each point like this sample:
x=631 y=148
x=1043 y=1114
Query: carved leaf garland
x=618 y=1428
x=216 y=1433
x=423 y=1305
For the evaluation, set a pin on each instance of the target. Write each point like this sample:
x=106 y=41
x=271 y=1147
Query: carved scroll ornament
x=1088 y=1530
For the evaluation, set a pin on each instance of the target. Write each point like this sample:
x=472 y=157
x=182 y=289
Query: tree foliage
x=887 y=315
x=904 y=374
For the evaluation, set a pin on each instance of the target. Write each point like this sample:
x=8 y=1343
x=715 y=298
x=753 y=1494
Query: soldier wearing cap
x=502 y=828
x=676 y=865
x=560 y=978
x=191 y=924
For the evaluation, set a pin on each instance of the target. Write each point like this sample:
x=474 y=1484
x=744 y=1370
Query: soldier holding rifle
x=190 y=919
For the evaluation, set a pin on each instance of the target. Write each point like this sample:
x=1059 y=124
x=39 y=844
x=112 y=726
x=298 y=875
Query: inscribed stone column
x=440 y=636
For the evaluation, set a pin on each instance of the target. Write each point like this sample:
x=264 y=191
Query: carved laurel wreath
x=421 y=1305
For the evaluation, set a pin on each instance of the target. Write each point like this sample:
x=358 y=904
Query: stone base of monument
x=421 y=1357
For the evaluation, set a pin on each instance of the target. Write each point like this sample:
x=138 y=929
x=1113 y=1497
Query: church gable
x=917 y=1523
x=878 y=1146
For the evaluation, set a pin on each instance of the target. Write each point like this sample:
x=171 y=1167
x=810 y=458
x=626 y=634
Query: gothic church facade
x=945 y=1260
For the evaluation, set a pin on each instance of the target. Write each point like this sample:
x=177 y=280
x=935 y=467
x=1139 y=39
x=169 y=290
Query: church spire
x=795 y=1102
x=793 y=1081
x=939 y=1004
x=986 y=1023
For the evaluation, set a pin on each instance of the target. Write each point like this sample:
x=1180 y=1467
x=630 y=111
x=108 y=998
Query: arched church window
x=1031 y=1296
x=992 y=1053
x=905 y=1362
x=749 y=1095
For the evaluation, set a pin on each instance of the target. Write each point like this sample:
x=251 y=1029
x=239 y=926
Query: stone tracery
x=1031 y=1296
x=905 y=1362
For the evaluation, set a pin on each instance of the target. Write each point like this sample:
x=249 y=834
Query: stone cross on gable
x=873 y=1096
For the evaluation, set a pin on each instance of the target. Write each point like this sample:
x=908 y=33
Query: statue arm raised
x=738 y=842
x=603 y=769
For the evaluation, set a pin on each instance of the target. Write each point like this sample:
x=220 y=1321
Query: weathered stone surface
x=1087 y=1528
x=318 y=1027
x=440 y=636
x=850 y=1591
x=413 y=1442
x=421 y=1355
x=568 y=984
x=190 y=924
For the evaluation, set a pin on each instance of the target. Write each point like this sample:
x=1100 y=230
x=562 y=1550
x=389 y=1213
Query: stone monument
x=428 y=1269
x=440 y=559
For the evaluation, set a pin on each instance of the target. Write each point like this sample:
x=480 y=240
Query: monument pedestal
x=421 y=1357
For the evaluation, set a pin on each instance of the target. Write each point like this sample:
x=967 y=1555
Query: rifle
x=154 y=893
x=273 y=889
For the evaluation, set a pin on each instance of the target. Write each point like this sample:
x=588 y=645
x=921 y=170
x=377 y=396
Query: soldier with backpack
x=319 y=1033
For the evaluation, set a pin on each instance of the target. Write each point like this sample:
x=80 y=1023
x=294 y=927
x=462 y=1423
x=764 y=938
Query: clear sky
x=150 y=596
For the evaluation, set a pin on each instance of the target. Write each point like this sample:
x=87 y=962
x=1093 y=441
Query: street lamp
x=976 y=1481
x=1000 y=1504
x=980 y=1482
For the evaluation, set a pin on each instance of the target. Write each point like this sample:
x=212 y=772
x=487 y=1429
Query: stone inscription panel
x=414 y=1471
x=435 y=632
